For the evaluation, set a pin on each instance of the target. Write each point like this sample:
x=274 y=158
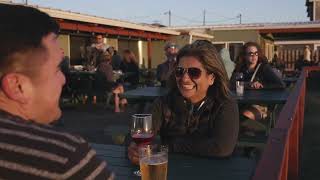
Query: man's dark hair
x=21 y=31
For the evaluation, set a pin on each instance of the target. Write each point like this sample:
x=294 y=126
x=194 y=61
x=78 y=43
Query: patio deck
x=310 y=157
x=102 y=126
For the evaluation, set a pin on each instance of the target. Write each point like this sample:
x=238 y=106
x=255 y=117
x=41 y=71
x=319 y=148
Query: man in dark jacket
x=165 y=69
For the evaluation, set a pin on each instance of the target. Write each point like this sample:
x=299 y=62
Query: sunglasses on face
x=252 y=53
x=193 y=72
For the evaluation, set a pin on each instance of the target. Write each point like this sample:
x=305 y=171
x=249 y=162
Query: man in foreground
x=31 y=83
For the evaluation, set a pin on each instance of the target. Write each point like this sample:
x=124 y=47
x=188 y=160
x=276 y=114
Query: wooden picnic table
x=80 y=83
x=145 y=93
x=180 y=166
x=290 y=80
x=267 y=96
x=263 y=96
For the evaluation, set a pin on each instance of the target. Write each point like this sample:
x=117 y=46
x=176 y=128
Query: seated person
x=278 y=63
x=130 y=67
x=257 y=74
x=116 y=58
x=31 y=82
x=105 y=82
x=198 y=115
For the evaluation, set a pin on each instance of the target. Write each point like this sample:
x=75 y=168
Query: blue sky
x=186 y=12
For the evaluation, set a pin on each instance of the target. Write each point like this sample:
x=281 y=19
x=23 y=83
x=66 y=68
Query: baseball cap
x=170 y=45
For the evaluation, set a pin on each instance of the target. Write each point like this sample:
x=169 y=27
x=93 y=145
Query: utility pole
x=204 y=18
x=169 y=13
x=240 y=18
x=26 y=2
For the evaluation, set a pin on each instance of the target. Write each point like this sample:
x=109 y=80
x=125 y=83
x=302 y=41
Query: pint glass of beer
x=153 y=162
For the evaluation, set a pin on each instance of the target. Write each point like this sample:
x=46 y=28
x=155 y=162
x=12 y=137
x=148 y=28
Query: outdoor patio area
x=101 y=125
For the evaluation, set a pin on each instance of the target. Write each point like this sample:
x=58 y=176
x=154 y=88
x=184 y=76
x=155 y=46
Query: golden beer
x=154 y=167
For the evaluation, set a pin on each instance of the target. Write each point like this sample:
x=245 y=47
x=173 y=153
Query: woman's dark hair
x=208 y=56
x=241 y=61
x=131 y=55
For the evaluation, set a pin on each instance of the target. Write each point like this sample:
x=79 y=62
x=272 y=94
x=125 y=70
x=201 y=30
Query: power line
x=228 y=19
x=187 y=19
x=195 y=21
x=217 y=14
x=143 y=17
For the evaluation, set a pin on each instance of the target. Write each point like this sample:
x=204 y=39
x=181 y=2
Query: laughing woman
x=198 y=116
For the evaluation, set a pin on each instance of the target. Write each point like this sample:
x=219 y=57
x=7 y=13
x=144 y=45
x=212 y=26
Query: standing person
x=95 y=52
x=31 y=83
x=198 y=116
x=130 y=68
x=99 y=44
x=116 y=59
x=257 y=74
x=165 y=69
x=307 y=54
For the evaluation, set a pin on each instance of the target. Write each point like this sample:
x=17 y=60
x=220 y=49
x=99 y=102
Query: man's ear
x=16 y=87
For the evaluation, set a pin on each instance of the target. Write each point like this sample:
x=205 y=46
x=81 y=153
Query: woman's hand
x=256 y=85
x=133 y=153
x=118 y=90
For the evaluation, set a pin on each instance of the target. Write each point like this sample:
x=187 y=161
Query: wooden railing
x=281 y=157
x=290 y=56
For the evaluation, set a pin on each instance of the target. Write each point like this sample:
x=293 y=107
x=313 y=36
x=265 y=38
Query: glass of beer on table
x=153 y=162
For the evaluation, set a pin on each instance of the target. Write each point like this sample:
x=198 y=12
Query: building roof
x=201 y=35
x=252 y=26
x=196 y=34
x=68 y=15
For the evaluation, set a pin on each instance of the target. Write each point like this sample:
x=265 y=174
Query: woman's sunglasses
x=253 y=53
x=193 y=72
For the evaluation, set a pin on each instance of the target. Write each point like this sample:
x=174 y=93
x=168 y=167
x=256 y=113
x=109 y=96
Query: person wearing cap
x=165 y=69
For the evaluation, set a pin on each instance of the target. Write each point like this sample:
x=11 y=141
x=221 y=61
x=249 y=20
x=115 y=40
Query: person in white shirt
x=307 y=53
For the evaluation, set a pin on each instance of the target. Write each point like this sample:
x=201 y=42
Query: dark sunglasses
x=253 y=53
x=193 y=72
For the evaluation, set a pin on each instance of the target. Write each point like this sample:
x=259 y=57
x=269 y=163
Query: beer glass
x=239 y=84
x=239 y=88
x=153 y=162
x=141 y=131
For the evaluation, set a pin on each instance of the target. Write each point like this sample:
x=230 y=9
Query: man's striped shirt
x=32 y=151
